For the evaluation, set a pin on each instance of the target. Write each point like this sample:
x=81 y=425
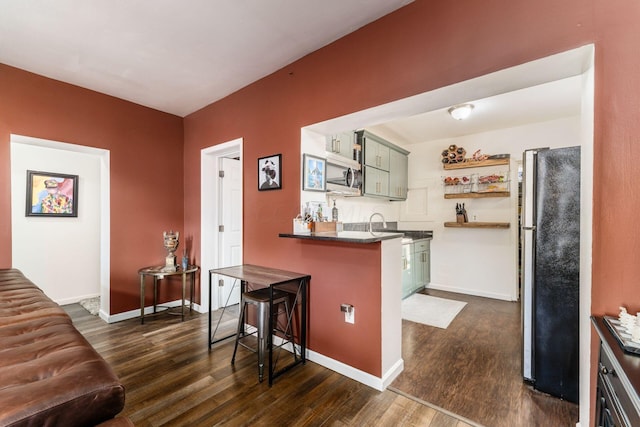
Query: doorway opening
x=575 y=63
x=87 y=238
x=221 y=218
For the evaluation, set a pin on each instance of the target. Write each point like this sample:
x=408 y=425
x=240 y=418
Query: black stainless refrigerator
x=550 y=262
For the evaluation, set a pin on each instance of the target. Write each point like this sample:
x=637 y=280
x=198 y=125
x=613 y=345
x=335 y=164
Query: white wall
x=476 y=261
x=60 y=255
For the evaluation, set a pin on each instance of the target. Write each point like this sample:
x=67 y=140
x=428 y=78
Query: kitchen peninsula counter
x=362 y=270
x=346 y=236
x=362 y=236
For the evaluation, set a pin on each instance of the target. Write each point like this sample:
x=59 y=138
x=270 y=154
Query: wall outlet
x=350 y=316
x=349 y=312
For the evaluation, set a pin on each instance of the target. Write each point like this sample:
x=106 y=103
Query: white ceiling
x=174 y=56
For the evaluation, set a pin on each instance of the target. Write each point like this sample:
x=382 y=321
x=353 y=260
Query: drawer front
x=421 y=245
x=610 y=376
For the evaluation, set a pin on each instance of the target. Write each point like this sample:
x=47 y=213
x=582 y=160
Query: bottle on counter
x=334 y=212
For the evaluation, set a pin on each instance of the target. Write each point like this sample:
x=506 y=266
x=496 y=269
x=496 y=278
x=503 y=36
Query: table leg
x=269 y=336
x=191 y=290
x=155 y=293
x=142 y=299
x=303 y=333
x=212 y=341
x=209 y=328
x=184 y=285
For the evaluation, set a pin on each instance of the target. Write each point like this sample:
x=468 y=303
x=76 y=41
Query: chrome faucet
x=384 y=223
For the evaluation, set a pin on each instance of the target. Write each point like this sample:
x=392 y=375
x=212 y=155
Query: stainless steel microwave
x=343 y=179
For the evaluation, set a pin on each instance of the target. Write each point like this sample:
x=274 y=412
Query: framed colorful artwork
x=52 y=194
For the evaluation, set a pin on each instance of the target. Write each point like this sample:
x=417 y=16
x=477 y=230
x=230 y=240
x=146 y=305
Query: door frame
x=103 y=157
x=209 y=197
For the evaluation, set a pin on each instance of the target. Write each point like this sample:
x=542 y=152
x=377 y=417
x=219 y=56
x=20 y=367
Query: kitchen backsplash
x=364 y=226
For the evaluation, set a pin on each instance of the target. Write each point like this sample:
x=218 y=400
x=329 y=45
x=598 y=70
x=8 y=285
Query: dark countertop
x=362 y=236
x=346 y=236
x=416 y=234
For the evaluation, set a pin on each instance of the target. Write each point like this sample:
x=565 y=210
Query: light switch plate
x=350 y=316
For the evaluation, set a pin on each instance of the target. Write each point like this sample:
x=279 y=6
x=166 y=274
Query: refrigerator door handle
x=532 y=228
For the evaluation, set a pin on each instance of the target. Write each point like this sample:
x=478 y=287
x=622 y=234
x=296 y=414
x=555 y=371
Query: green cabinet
x=416 y=266
x=399 y=179
x=376 y=153
x=422 y=263
x=407 y=278
x=385 y=171
x=341 y=144
x=376 y=182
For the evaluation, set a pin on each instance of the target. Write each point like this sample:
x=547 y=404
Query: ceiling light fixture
x=461 y=111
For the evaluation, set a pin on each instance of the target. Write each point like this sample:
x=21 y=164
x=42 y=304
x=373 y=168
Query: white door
x=230 y=228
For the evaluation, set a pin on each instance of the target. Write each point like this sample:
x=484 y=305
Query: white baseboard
x=470 y=291
x=75 y=300
x=392 y=373
x=365 y=378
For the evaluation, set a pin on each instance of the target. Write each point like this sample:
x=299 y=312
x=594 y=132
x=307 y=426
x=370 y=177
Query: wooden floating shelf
x=477 y=195
x=476 y=163
x=477 y=224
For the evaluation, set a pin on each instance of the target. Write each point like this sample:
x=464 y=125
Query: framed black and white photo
x=52 y=194
x=314 y=177
x=270 y=172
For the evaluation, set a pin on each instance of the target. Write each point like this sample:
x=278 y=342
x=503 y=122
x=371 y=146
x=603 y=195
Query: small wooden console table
x=267 y=277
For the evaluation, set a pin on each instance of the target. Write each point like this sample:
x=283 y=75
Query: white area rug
x=432 y=311
x=92 y=305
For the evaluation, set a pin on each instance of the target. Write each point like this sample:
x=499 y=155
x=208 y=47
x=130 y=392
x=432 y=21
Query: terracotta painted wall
x=146 y=166
x=423 y=46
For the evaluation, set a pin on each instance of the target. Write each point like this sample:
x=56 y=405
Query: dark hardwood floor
x=171 y=379
x=473 y=368
x=466 y=375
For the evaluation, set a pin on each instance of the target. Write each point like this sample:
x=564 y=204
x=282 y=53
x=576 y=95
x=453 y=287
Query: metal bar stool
x=260 y=298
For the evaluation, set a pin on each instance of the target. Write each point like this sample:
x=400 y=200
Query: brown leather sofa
x=49 y=374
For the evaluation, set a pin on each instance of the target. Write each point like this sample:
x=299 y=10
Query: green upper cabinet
x=385 y=167
x=376 y=182
x=341 y=144
x=398 y=175
x=376 y=154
